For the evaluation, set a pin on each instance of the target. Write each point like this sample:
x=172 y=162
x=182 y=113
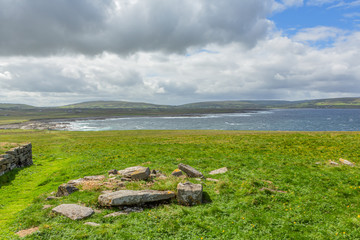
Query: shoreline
x=61 y=124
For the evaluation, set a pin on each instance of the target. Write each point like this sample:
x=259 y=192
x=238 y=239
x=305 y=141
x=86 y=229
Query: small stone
x=346 y=162
x=65 y=190
x=115 y=214
x=190 y=171
x=51 y=198
x=24 y=233
x=333 y=163
x=92 y=224
x=177 y=173
x=73 y=211
x=189 y=194
x=46 y=206
x=219 y=171
x=114 y=172
x=212 y=180
x=133 y=197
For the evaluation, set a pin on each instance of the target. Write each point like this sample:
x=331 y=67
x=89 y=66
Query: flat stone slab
x=189 y=194
x=135 y=173
x=212 y=180
x=219 y=171
x=73 y=211
x=190 y=171
x=133 y=197
x=92 y=224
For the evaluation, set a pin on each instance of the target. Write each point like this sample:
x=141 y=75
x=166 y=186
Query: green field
x=321 y=201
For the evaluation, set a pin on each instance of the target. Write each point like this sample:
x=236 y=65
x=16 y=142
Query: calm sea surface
x=276 y=120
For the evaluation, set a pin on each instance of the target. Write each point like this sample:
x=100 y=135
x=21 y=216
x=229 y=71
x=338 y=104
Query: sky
x=174 y=52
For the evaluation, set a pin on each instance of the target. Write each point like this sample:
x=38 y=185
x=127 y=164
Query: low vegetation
x=279 y=185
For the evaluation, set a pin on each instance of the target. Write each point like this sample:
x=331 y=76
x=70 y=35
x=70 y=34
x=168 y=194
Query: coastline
x=63 y=123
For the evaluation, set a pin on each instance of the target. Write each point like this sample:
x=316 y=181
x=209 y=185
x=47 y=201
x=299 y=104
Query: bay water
x=270 y=120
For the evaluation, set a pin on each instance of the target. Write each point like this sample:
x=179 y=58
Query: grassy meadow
x=312 y=199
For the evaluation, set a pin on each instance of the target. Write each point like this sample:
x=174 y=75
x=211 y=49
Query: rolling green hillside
x=327 y=103
x=234 y=104
x=15 y=106
x=114 y=104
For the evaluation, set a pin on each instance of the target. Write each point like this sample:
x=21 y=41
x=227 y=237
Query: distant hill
x=234 y=104
x=261 y=104
x=15 y=106
x=326 y=103
x=113 y=105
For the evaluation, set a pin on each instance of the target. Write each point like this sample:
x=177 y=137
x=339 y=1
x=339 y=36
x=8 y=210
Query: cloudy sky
x=178 y=51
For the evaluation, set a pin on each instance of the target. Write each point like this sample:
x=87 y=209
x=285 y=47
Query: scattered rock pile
x=188 y=194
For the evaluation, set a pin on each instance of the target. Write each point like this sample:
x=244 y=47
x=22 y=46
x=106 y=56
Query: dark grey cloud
x=42 y=27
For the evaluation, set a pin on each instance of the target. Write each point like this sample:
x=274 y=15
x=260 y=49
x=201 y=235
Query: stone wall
x=17 y=157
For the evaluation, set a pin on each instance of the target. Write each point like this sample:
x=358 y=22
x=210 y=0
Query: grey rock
x=135 y=173
x=190 y=171
x=133 y=197
x=65 y=190
x=73 y=211
x=113 y=171
x=219 y=171
x=189 y=194
x=46 y=206
x=92 y=224
x=177 y=173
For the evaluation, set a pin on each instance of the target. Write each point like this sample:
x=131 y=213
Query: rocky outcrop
x=17 y=157
x=189 y=194
x=73 y=211
x=190 y=171
x=133 y=197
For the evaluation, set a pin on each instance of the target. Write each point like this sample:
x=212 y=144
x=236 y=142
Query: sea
x=269 y=120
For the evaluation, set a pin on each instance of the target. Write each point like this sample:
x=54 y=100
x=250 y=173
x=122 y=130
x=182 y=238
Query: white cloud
x=276 y=68
x=320 y=33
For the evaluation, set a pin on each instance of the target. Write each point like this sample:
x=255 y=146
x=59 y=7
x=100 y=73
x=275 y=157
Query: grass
x=321 y=200
x=6 y=146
